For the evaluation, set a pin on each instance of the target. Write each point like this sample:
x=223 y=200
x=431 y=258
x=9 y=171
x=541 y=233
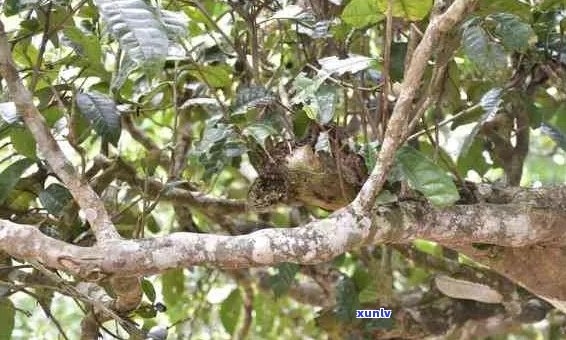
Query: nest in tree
x=298 y=173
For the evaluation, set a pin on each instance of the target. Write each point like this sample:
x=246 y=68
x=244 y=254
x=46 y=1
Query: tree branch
x=397 y=129
x=87 y=199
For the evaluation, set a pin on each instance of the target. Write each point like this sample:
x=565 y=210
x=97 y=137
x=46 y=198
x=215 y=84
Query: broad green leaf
x=54 y=198
x=103 y=115
x=266 y=310
x=362 y=13
x=412 y=10
x=7 y=318
x=173 y=286
x=148 y=290
x=141 y=35
x=522 y=9
x=483 y=52
x=425 y=176
x=230 y=311
x=11 y=175
x=515 y=34
x=473 y=159
x=213 y=75
x=23 y=142
x=88 y=46
x=285 y=276
x=428 y=247
x=260 y=133
x=346 y=299
x=304 y=88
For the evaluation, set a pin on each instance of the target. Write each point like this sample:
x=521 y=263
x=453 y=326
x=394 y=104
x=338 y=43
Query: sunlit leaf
x=230 y=311
x=361 y=13
x=413 y=10
x=173 y=286
x=23 y=142
x=141 y=35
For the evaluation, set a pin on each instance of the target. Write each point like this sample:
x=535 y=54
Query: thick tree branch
x=534 y=217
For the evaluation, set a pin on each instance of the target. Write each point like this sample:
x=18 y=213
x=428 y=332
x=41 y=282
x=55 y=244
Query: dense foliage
x=276 y=110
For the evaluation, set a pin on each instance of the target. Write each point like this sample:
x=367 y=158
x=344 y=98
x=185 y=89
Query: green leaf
x=102 y=113
x=361 y=13
x=11 y=176
x=146 y=310
x=13 y=7
x=485 y=54
x=252 y=97
x=266 y=310
x=7 y=318
x=230 y=311
x=173 y=286
x=425 y=176
x=213 y=75
x=88 y=46
x=260 y=133
x=472 y=160
x=370 y=293
x=23 y=142
x=54 y=198
x=304 y=89
x=141 y=35
x=346 y=299
x=413 y=10
x=148 y=290
x=285 y=276
x=522 y=9
x=515 y=34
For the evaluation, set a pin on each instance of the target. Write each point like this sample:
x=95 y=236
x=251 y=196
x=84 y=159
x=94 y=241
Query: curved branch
x=87 y=199
x=397 y=128
x=533 y=217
